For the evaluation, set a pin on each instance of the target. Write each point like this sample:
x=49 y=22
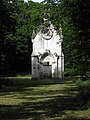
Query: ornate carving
x=47 y=33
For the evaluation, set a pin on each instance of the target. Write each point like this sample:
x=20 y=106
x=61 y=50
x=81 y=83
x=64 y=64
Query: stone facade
x=47 y=56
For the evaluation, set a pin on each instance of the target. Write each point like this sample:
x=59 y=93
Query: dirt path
x=42 y=100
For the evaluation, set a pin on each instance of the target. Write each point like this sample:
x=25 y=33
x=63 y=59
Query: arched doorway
x=47 y=65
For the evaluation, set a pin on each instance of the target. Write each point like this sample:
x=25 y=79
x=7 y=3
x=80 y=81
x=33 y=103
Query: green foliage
x=29 y=17
x=75 y=26
x=84 y=88
x=73 y=16
x=84 y=91
x=7 y=26
x=70 y=72
x=17 y=31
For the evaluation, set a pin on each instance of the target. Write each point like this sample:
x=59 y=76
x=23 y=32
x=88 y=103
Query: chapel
x=47 y=56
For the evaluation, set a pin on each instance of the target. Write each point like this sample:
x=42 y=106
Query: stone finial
x=33 y=34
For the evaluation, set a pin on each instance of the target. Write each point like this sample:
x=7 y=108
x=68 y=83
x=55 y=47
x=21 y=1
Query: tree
x=82 y=24
x=75 y=24
x=18 y=48
x=29 y=17
x=6 y=26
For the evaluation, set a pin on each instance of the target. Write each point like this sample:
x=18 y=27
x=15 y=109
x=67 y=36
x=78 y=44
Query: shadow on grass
x=38 y=110
x=54 y=106
x=29 y=82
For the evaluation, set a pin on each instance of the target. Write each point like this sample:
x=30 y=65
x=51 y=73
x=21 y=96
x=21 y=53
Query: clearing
x=42 y=100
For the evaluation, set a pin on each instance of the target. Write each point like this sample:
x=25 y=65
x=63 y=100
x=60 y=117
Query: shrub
x=70 y=72
x=84 y=89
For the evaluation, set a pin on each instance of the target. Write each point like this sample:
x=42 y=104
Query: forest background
x=18 y=19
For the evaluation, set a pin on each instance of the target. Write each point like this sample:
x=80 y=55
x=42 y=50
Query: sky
x=34 y=0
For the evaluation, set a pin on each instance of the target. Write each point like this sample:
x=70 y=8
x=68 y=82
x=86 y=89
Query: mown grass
x=42 y=100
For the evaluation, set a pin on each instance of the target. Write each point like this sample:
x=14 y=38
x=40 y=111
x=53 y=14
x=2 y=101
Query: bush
x=70 y=72
x=84 y=89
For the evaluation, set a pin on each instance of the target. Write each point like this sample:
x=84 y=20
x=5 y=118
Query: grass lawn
x=42 y=100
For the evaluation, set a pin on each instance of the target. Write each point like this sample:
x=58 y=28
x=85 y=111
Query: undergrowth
x=84 y=90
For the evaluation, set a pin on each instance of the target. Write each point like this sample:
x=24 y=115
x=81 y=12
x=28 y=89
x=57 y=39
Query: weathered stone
x=47 y=56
